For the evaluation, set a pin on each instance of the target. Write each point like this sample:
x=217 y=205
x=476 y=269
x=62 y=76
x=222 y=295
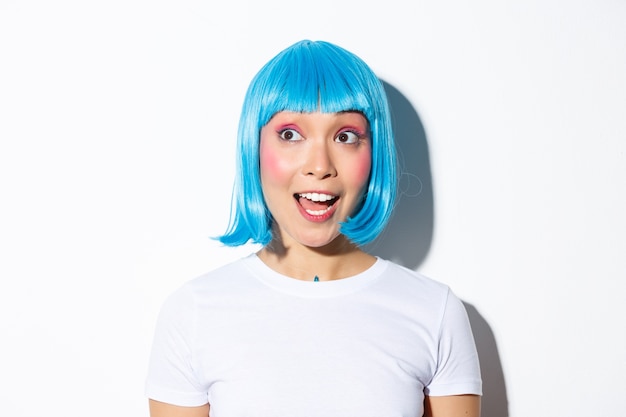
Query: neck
x=340 y=259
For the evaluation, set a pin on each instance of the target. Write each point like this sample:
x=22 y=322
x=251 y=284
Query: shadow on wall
x=494 y=402
x=408 y=237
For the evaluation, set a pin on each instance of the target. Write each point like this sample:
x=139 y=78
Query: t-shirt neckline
x=311 y=289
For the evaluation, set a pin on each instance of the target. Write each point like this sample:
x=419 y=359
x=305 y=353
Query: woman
x=312 y=325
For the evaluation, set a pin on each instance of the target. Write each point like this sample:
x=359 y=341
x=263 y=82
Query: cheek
x=361 y=168
x=272 y=165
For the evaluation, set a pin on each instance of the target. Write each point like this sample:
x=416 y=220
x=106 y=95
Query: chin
x=321 y=242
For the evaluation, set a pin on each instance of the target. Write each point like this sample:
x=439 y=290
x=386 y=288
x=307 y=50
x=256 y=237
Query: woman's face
x=314 y=169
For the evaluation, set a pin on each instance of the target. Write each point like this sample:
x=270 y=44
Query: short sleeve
x=458 y=369
x=171 y=377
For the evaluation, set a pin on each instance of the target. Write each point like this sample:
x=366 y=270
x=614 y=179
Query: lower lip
x=317 y=218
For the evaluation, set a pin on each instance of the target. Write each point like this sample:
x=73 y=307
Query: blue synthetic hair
x=308 y=77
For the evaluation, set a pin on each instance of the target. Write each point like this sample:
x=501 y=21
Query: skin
x=159 y=409
x=328 y=153
x=450 y=406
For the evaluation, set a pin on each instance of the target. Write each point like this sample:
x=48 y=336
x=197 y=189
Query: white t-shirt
x=252 y=342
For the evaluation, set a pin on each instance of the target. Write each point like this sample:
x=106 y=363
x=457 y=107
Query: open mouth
x=316 y=204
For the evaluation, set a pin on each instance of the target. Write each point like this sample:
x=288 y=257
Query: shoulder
x=402 y=278
x=419 y=293
x=231 y=275
x=231 y=278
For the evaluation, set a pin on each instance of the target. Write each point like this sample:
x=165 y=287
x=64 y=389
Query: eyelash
x=357 y=139
x=282 y=133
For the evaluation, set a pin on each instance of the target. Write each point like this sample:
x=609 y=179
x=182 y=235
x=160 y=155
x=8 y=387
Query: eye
x=347 y=137
x=290 y=135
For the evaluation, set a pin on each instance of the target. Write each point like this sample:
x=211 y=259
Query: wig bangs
x=311 y=78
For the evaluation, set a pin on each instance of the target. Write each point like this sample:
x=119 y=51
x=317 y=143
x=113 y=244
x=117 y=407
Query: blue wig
x=309 y=77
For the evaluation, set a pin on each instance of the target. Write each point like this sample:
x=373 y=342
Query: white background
x=117 y=128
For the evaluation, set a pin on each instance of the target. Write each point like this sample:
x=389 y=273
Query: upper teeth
x=317 y=196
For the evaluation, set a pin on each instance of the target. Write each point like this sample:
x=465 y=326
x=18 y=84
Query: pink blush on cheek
x=272 y=165
x=362 y=168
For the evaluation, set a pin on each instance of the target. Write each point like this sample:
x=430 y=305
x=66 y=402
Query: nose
x=318 y=160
